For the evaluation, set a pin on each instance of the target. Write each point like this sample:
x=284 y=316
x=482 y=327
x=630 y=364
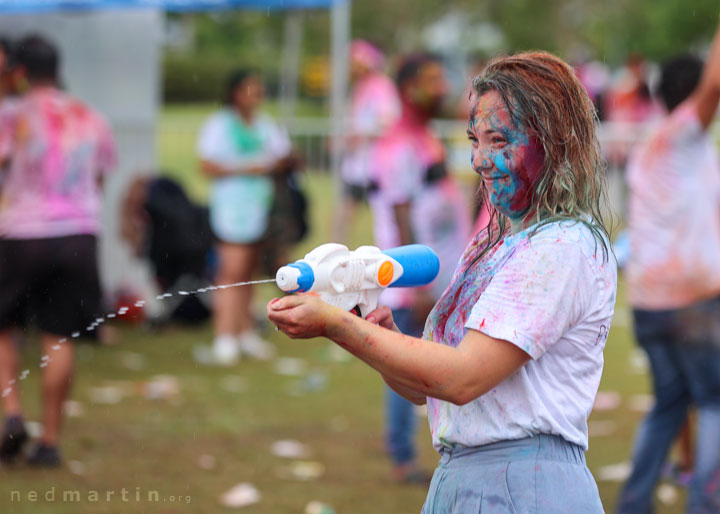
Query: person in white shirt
x=674 y=280
x=512 y=353
x=240 y=148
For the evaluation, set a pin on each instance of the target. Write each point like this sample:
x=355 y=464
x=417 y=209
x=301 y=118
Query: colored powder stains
x=506 y=156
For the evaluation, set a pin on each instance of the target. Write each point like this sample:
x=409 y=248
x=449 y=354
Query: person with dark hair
x=407 y=168
x=240 y=148
x=674 y=280
x=57 y=151
x=512 y=352
x=5 y=66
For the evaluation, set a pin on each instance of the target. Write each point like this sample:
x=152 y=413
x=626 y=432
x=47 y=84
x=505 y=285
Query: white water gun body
x=355 y=279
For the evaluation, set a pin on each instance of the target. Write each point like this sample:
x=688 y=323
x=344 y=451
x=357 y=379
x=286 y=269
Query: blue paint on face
x=504 y=156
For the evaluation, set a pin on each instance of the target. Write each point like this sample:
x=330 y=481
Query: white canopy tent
x=111 y=56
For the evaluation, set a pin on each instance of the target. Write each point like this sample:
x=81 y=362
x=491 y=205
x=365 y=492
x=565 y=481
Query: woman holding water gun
x=511 y=357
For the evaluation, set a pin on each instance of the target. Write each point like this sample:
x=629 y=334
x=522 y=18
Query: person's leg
x=9 y=369
x=702 y=366
x=228 y=306
x=57 y=380
x=663 y=422
x=400 y=416
x=345 y=215
x=13 y=435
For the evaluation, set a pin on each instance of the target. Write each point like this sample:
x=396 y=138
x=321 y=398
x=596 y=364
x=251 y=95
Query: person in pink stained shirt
x=674 y=280
x=57 y=152
x=374 y=105
x=414 y=200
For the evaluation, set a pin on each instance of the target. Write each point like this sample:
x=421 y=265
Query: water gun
x=353 y=280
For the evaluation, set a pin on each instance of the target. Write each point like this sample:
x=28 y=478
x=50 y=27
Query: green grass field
x=217 y=430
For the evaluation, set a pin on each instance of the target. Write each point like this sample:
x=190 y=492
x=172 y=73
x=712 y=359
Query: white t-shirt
x=240 y=204
x=553 y=296
x=674 y=224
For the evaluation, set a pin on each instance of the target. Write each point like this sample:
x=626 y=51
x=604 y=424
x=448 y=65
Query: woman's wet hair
x=546 y=100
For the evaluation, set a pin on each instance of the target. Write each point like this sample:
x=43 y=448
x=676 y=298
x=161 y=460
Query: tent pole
x=293 y=36
x=340 y=41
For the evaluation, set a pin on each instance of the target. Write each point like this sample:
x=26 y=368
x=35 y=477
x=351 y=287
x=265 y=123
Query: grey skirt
x=538 y=475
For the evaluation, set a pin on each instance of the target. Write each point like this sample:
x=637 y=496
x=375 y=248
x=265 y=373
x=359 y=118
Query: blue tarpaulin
x=30 y=6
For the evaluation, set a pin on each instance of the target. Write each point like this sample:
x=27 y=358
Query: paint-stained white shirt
x=553 y=296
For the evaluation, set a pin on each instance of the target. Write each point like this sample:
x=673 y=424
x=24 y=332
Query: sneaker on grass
x=44 y=456
x=14 y=436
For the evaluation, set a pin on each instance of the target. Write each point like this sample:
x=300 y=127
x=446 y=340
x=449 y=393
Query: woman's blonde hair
x=545 y=98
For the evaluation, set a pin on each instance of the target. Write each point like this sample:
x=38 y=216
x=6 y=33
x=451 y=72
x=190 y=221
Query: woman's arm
x=405 y=392
x=707 y=95
x=458 y=375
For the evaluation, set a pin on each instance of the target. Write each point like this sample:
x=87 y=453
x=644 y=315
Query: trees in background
x=604 y=29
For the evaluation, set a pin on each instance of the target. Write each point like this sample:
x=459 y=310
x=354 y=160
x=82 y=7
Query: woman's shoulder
x=570 y=239
x=217 y=118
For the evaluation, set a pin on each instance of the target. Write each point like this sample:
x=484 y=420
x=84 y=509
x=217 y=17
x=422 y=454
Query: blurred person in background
x=374 y=105
x=627 y=103
x=240 y=148
x=674 y=280
x=414 y=201
x=58 y=150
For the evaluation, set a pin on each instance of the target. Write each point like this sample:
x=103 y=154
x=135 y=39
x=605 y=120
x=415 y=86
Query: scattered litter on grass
x=34 y=429
x=607 y=400
x=667 y=494
x=290 y=366
x=76 y=467
x=316 y=507
x=233 y=384
x=203 y=354
x=614 y=472
x=641 y=402
x=290 y=449
x=239 y=496
x=602 y=428
x=333 y=353
x=73 y=409
x=206 y=462
x=133 y=361
x=638 y=360
x=302 y=470
x=315 y=381
x=161 y=387
x=107 y=395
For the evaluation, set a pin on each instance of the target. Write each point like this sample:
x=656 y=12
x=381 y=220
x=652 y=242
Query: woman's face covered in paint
x=507 y=157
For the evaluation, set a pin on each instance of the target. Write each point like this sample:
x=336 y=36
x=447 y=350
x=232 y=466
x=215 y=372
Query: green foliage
x=189 y=78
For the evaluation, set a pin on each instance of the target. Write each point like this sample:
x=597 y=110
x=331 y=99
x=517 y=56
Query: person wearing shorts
x=240 y=148
x=57 y=151
x=512 y=353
